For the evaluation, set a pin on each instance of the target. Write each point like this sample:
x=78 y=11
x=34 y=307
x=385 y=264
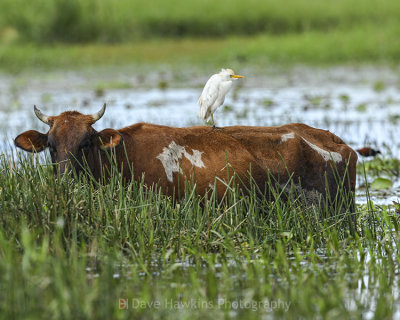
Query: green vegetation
x=70 y=248
x=380 y=172
x=72 y=33
x=119 y=21
x=380 y=166
x=263 y=51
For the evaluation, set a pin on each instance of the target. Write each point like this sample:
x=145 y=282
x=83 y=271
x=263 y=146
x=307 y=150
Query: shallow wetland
x=113 y=252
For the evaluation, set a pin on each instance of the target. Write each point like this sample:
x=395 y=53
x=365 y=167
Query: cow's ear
x=31 y=141
x=109 y=138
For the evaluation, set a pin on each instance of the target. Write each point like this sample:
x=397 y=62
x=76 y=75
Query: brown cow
x=316 y=160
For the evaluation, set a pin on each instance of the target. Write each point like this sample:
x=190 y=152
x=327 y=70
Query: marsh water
x=362 y=106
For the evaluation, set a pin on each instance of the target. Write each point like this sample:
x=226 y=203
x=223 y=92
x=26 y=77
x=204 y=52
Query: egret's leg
x=213 y=123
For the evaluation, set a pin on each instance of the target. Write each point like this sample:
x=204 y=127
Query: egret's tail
x=203 y=113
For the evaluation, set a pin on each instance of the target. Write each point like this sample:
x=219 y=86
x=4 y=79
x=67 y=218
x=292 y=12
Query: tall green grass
x=364 y=44
x=116 y=21
x=72 y=33
x=116 y=211
x=72 y=248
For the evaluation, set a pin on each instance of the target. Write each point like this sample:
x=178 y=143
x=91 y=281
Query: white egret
x=214 y=93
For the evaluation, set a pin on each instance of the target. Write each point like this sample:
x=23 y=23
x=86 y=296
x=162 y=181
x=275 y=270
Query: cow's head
x=70 y=138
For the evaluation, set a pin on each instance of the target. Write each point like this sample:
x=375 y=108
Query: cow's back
x=310 y=154
x=317 y=160
x=168 y=155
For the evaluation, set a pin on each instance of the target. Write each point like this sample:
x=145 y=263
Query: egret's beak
x=236 y=76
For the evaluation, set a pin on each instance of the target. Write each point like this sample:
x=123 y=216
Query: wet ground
x=362 y=106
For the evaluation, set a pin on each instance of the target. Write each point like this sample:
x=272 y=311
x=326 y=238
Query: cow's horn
x=41 y=116
x=96 y=116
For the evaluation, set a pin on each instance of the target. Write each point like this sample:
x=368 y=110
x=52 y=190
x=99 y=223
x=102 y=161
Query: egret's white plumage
x=214 y=93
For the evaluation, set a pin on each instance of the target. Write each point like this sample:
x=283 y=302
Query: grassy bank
x=76 y=34
x=263 y=51
x=72 y=249
x=121 y=21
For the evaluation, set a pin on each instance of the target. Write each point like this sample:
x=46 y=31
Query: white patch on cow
x=195 y=158
x=172 y=154
x=327 y=155
x=285 y=137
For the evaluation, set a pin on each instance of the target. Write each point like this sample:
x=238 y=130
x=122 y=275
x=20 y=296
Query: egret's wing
x=208 y=96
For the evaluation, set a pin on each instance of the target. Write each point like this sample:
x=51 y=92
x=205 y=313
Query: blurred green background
x=64 y=33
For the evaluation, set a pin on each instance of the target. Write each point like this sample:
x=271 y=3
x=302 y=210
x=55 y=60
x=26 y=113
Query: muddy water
x=361 y=106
